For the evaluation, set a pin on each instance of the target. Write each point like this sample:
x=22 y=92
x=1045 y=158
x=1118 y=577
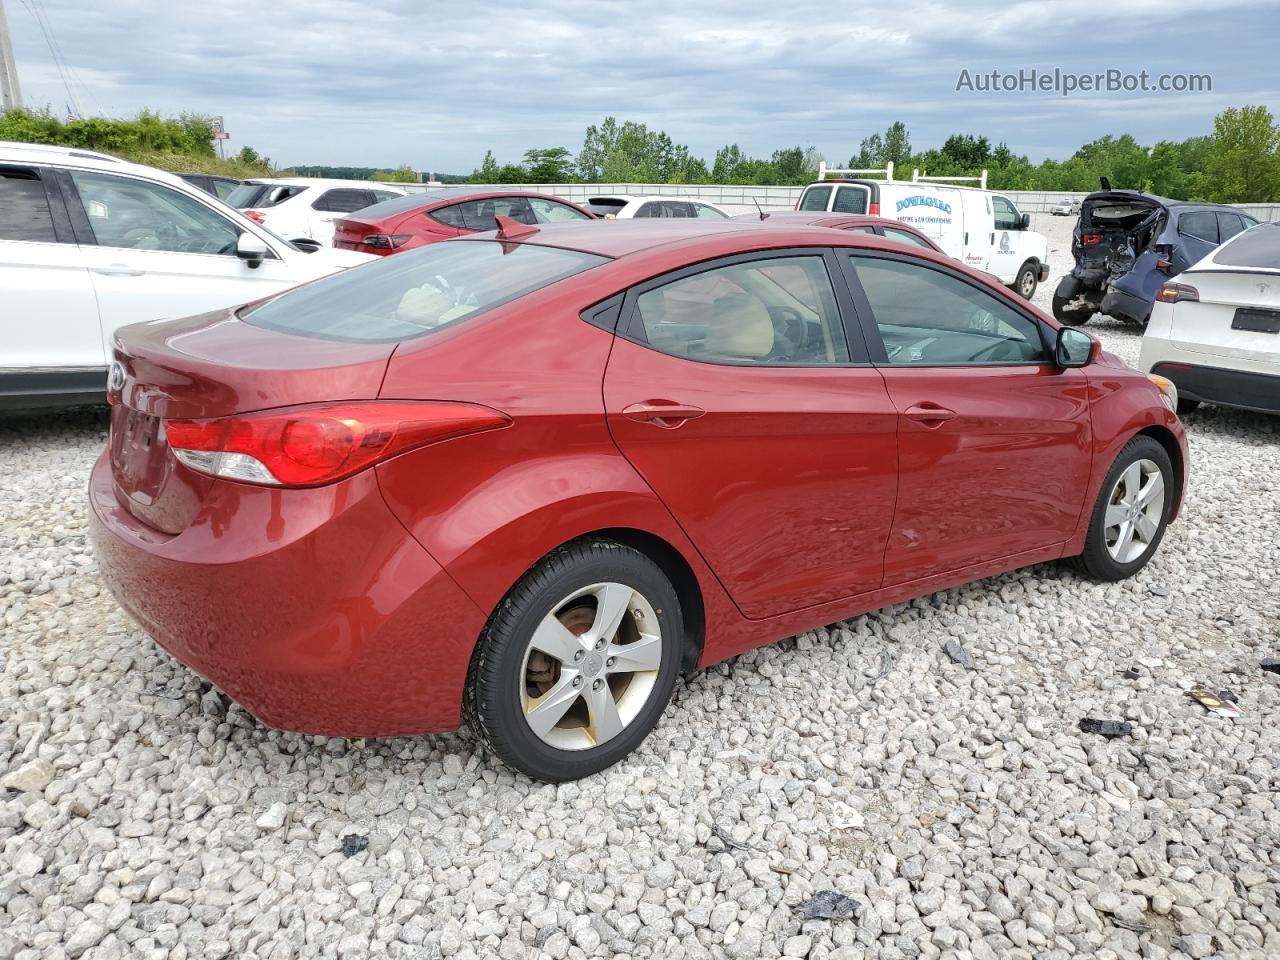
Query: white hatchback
x=1215 y=328
x=625 y=206
x=89 y=243
x=304 y=208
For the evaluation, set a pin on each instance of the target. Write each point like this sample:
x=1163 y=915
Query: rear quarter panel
x=488 y=506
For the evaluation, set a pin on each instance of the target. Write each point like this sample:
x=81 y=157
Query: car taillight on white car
x=1178 y=293
x=306 y=446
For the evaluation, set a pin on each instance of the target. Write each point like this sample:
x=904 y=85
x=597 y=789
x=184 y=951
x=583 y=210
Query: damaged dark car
x=1126 y=244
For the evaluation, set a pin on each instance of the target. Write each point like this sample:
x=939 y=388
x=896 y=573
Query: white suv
x=304 y=208
x=89 y=243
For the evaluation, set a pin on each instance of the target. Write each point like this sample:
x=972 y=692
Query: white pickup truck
x=981 y=229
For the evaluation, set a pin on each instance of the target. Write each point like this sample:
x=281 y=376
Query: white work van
x=981 y=229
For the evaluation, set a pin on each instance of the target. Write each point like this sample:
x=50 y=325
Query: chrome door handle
x=662 y=413
x=929 y=414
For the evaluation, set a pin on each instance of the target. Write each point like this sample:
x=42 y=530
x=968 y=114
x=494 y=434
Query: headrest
x=740 y=328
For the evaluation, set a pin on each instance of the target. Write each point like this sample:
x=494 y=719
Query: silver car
x=1066 y=207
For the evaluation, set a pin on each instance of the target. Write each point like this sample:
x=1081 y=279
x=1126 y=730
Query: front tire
x=1131 y=514
x=578 y=662
x=1024 y=284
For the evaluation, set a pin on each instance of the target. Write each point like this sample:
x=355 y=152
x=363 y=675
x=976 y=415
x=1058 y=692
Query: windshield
x=418 y=292
x=262 y=195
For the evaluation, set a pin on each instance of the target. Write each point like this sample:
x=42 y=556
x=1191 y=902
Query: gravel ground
x=960 y=810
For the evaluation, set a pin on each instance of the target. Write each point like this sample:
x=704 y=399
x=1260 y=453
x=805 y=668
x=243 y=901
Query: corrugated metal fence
x=743 y=199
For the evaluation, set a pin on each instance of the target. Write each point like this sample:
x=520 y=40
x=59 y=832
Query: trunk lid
x=1234 y=317
x=349 y=231
x=213 y=365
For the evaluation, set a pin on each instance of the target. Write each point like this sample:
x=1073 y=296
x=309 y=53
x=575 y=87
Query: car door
x=1005 y=239
x=154 y=252
x=735 y=393
x=994 y=440
x=48 y=312
x=1197 y=235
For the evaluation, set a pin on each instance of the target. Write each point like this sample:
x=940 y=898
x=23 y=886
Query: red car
x=416 y=219
x=529 y=478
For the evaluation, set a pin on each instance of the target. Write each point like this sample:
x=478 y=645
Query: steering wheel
x=791 y=323
x=1000 y=351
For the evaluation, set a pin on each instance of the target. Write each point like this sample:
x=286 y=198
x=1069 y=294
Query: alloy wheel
x=1135 y=510
x=590 y=666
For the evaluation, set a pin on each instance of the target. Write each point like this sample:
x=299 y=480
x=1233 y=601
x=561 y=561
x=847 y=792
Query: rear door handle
x=119 y=270
x=930 y=414
x=662 y=413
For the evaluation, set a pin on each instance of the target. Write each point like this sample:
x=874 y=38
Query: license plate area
x=1253 y=320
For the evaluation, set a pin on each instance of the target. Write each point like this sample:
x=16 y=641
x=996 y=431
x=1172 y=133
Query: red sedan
x=417 y=219
x=530 y=478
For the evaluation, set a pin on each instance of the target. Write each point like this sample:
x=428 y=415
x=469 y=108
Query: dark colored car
x=220 y=187
x=1126 y=244
x=421 y=218
x=531 y=478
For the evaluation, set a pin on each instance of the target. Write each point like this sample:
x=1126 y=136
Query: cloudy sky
x=384 y=82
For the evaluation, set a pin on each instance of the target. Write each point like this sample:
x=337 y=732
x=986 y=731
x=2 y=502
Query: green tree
x=488 y=170
x=1243 y=163
x=552 y=165
x=401 y=174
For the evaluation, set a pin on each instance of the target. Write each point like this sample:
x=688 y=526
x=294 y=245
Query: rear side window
x=773 y=311
x=418 y=292
x=851 y=200
x=223 y=189
x=929 y=318
x=549 y=211
x=605 y=207
x=24 y=209
x=704 y=212
x=815 y=198
x=902 y=236
x=1203 y=226
x=1229 y=224
x=481 y=214
x=343 y=200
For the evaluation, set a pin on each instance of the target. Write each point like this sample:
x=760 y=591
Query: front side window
x=815 y=198
x=137 y=215
x=417 y=292
x=24 y=208
x=343 y=200
x=1203 y=226
x=1006 y=214
x=774 y=311
x=549 y=211
x=651 y=209
x=850 y=200
x=928 y=317
x=481 y=214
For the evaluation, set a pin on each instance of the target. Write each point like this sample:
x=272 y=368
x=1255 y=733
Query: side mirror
x=252 y=249
x=1075 y=348
x=1024 y=222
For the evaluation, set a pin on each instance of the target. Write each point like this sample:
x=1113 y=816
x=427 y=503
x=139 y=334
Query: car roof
x=323 y=182
x=626 y=198
x=422 y=200
x=621 y=238
x=44 y=153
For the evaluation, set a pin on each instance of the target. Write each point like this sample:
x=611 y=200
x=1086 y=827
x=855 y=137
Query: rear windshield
x=417 y=292
x=815 y=198
x=605 y=206
x=1258 y=246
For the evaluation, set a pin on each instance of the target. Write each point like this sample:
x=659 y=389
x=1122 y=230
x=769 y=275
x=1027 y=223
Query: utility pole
x=10 y=92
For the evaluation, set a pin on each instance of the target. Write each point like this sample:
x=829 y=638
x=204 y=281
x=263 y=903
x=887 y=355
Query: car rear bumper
x=1125 y=306
x=1232 y=388
x=314 y=609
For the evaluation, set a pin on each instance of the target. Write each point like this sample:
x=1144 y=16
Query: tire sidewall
x=504 y=713
x=1027 y=271
x=1097 y=559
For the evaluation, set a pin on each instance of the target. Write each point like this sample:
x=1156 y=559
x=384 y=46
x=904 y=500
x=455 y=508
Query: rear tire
x=577 y=663
x=1131 y=513
x=1072 y=318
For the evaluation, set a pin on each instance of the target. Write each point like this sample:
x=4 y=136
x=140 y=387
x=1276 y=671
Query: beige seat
x=740 y=329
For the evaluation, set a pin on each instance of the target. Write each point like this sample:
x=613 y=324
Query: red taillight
x=319 y=443
x=1090 y=239
x=257 y=216
x=1163 y=264
x=874 y=210
x=1177 y=293
x=386 y=241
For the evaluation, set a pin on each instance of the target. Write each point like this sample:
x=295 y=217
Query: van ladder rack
x=918 y=177
x=823 y=170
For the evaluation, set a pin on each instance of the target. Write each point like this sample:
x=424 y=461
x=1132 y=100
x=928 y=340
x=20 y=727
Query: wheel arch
x=1164 y=436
